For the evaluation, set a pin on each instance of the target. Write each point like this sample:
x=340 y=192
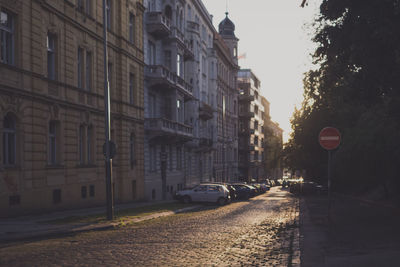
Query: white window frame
x=7 y=46
x=51 y=56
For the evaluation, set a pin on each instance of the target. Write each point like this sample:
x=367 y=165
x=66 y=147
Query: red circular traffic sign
x=329 y=138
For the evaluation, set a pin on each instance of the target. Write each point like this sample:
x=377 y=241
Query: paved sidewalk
x=360 y=233
x=36 y=226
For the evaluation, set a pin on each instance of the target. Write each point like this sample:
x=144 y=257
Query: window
x=91 y=190
x=153 y=158
x=88 y=8
x=89 y=144
x=131 y=28
x=51 y=56
x=80 y=144
x=134 y=189
x=204 y=66
x=80 y=5
x=132 y=150
x=131 y=89
x=6 y=37
x=152 y=106
x=88 y=70
x=189 y=13
x=108 y=14
x=9 y=140
x=256 y=140
x=179 y=65
x=56 y=196
x=171 y=165
x=83 y=191
x=152 y=53
x=179 y=107
x=167 y=59
x=52 y=142
x=178 y=158
x=235 y=51
x=80 y=67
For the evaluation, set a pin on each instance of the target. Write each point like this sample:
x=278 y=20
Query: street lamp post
x=107 y=150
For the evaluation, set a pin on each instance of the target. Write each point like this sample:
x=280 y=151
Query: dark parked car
x=243 y=191
x=307 y=188
x=232 y=191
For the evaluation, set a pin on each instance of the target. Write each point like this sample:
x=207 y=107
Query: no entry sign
x=329 y=138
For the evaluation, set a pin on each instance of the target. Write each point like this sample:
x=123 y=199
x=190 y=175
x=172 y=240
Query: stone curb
x=73 y=229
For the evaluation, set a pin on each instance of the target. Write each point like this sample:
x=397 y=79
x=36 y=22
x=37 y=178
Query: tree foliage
x=356 y=89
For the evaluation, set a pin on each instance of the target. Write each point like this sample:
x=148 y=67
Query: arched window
x=9 y=140
x=168 y=13
x=181 y=21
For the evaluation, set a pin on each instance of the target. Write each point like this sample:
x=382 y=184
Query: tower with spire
x=226 y=29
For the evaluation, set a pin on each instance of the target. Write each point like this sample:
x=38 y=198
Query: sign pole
x=329 y=183
x=329 y=139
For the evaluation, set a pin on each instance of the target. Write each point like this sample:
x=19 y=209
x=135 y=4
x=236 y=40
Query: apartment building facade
x=52 y=103
x=226 y=47
x=251 y=137
x=273 y=144
x=180 y=94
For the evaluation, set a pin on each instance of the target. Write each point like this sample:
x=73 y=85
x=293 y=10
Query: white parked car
x=205 y=193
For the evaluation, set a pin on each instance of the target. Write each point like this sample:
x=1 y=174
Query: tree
x=356 y=89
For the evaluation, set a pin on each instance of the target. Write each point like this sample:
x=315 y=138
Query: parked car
x=232 y=191
x=244 y=191
x=265 y=187
x=308 y=188
x=205 y=193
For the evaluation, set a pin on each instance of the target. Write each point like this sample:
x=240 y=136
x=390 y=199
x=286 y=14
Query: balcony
x=193 y=27
x=246 y=98
x=188 y=51
x=178 y=36
x=163 y=127
x=207 y=142
x=247 y=114
x=157 y=24
x=206 y=112
x=159 y=76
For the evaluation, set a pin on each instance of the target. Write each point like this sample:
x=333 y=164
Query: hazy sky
x=277 y=44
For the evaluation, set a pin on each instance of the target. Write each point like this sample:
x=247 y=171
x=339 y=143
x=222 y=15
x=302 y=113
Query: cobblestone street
x=261 y=232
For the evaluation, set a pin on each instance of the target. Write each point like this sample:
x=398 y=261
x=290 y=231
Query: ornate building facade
x=52 y=103
x=226 y=46
x=190 y=98
x=251 y=137
x=179 y=96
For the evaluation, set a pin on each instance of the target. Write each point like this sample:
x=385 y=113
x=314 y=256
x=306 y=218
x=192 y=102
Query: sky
x=275 y=36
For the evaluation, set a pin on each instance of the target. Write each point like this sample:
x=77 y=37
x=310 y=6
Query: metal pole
x=329 y=183
x=108 y=160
